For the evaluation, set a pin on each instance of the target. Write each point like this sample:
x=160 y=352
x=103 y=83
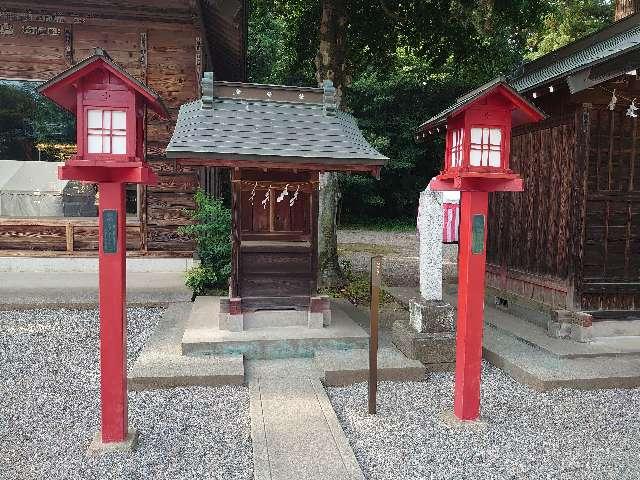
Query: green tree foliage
x=407 y=61
x=27 y=117
x=568 y=21
x=211 y=232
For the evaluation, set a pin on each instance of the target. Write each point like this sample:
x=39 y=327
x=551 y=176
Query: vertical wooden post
x=471 y=272
x=113 y=320
x=376 y=267
x=69 y=236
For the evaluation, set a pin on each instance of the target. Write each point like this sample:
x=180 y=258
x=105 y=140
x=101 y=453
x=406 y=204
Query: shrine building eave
x=243 y=125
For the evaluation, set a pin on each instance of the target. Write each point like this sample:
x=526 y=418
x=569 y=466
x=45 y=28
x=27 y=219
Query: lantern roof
x=62 y=88
x=253 y=125
x=523 y=111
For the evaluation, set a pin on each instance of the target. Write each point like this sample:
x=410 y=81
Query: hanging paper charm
x=284 y=193
x=253 y=193
x=266 y=198
x=295 y=197
x=631 y=112
x=614 y=100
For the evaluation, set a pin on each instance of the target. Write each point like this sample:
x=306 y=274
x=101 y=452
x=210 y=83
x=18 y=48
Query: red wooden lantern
x=110 y=107
x=476 y=162
x=478 y=139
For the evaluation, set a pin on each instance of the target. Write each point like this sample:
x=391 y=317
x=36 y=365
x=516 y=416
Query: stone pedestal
x=428 y=335
x=319 y=312
x=231 y=317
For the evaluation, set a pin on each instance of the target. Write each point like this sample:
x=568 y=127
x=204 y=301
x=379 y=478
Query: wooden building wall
x=572 y=238
x=529 y=232
x=165 y=44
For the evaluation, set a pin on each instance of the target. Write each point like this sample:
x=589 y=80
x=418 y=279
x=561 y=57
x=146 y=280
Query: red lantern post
x=478 y=133
x=109 y=106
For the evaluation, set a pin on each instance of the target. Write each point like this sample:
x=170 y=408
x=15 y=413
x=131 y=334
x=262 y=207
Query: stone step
x=201 y=336
x=352 y=366
x=542 y=370
x=152 y=371
x=560 y=347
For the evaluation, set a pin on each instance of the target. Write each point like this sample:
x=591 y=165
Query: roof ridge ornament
x=329 y=100
x=207 y=90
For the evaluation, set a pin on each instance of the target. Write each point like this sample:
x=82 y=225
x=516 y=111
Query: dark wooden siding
x=611 y=260
x=162 y=43
x=529 y=231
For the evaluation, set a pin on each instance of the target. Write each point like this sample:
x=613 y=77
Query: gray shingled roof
x=609 y=43
x=461 y=102
x=269 y=123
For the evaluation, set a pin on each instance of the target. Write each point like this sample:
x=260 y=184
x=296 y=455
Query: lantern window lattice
x=457 y=137
x=486 y=144
x=107 y=131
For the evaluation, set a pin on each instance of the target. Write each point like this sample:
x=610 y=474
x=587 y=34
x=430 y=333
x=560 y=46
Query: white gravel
x=49 y=408
x=562 y=434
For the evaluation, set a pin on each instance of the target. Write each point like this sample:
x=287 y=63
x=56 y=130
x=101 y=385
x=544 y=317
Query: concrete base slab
x=98 y=447
x=162 y=365
x=153 y=371
x=201 y=335
x=543 y=371
x=352 y=366
x=451 y=421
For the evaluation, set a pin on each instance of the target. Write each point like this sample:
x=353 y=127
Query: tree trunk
x=331 y=65
x=624 y=8
x=330 y=273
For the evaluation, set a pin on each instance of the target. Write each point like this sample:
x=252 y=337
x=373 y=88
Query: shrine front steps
x=161 y=363
x=271 y=341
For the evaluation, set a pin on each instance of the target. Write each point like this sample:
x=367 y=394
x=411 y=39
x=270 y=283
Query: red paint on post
x=471 y=270
x=113 y=319
x=478 y=136
x=109 y=105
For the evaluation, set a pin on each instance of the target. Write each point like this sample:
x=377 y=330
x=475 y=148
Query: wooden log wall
x=529 y=232
x=611 y=264
x=163 y=43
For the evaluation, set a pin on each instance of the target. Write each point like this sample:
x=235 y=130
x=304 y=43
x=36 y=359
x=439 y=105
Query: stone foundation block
x=231 y=317
x=97 y=447
x=431 y=316
x=320 y=304
x=437 y=351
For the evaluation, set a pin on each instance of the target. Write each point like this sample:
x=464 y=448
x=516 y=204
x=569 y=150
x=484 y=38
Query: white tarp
x=30 y=189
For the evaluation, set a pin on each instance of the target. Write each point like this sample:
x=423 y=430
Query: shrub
x=212 y=234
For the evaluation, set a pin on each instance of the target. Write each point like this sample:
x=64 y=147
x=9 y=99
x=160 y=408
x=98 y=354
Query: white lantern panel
x=119 y=144
x=106 y=119
x=476 y=157
x=119 y=120
x=476 y=135
x=94 y=144
x=494 y=158
x=94 y=118
x=496 y=136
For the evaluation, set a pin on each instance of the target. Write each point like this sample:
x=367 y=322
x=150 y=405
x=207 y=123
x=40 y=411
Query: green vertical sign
x=110 y=231
x=477 y=234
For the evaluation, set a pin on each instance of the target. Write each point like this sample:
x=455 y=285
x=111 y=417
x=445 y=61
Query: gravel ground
x=562 y=434
x=49 y=408
x=400 y=251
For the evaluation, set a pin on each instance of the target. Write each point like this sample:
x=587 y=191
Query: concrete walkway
x=80 y=289
x=294 y=429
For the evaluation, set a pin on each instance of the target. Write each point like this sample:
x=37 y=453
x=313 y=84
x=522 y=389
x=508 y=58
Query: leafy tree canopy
x=567 y=21
x=405 y=62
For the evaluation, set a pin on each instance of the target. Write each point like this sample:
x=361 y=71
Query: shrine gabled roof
x=261 y=124
x=602 y=46
x=64 y=82
x=497 y=84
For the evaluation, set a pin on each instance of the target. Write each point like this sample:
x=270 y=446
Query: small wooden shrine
x=276 y=140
